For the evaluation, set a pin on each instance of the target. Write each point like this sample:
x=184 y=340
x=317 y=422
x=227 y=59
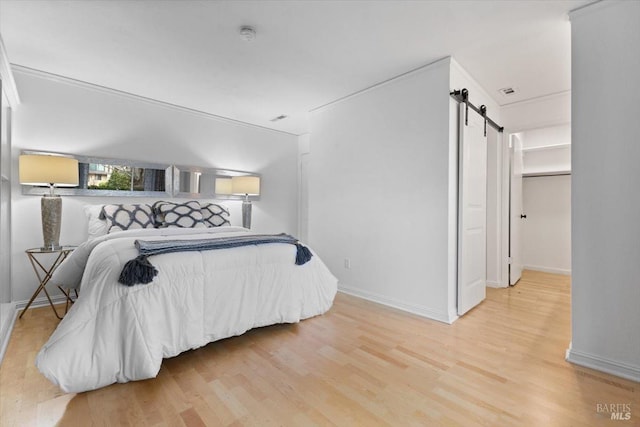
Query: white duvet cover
x=115 y=333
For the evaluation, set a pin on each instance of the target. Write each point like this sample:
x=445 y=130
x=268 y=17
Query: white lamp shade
x=223 y=186
x=36 y=169
x=245 y=185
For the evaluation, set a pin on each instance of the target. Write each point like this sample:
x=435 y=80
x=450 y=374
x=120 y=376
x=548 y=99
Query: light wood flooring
x=361 y=364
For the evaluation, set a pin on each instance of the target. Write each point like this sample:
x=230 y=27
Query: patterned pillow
x=185 y=215
x=127 y=217
x=215 y=215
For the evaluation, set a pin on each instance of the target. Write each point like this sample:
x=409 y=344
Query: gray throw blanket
x=140 y=270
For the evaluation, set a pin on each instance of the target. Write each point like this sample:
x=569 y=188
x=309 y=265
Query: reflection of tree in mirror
x=138 y=179
x=119 y=179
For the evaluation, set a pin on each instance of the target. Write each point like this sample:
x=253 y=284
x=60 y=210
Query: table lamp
x=223 y=186
x=53 y=171
x=247 y=186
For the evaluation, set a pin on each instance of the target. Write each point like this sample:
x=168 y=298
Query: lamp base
x=51 y=208
x=246 y=214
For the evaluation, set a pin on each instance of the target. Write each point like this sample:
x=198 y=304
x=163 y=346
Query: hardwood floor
x=361 y=364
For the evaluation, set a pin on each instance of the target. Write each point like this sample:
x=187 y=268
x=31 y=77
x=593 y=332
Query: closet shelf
x=546 y=147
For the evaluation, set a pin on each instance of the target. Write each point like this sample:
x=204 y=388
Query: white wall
x=539 y=161
x=383 y=189
x=5 y=200
x=10 y=101
x=546 y=232
x=304 y=146
x=543 y=112
x=547 y=137
x=605 y=196
x=379 y=191
x=59 y=116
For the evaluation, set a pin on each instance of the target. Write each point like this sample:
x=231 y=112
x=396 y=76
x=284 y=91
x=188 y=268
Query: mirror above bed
x=207 y=183
x=99 y=176
x=108 y=177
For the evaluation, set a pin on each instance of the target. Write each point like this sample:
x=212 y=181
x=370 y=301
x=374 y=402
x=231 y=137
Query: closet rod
x=463 y=96
x=545 y=174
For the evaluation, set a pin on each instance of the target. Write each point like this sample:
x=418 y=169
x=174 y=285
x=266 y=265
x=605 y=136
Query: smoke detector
x=247 y=33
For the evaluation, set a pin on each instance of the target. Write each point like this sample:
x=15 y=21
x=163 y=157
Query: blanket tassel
x=138 y=270
x=303 y=254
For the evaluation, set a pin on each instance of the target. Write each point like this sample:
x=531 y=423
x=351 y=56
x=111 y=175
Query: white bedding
x=114 y=333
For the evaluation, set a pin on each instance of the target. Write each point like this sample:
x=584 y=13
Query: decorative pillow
x=185 y=215
x=215 y=215
x=96 y=227
x=127 y=217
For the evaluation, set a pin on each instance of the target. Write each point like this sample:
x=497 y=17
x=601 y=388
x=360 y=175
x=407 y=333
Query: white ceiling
x=306 y=53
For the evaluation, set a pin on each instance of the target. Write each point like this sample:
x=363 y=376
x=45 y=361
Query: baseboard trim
x=6 y=330
x=410 y=308
x=41 y=302
x=18 y=306
x=492 y=284
x=547 y=269
x=608 y=366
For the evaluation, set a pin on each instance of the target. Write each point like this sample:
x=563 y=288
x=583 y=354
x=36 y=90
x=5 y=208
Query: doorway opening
x=540 y=201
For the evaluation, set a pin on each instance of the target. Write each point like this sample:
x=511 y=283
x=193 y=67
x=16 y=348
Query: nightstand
x=44 y=271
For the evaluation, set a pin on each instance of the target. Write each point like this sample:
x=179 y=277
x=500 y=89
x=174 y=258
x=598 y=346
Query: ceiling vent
x=280 y=117
x=507 y=91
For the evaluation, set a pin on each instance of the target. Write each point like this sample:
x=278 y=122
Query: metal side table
x=44 y=274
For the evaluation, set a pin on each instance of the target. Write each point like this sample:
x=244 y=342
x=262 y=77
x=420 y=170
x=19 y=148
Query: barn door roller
x=463 y=96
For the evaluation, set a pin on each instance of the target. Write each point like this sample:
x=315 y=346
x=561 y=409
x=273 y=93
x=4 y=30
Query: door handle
x=523 y=216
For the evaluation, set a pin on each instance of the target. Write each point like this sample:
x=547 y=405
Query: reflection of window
x=99 y=176
x=148 y=179
x=97 y=173
x=115 y=177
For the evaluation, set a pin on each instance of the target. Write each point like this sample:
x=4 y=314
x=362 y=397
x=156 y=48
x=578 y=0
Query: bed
x=117 y=333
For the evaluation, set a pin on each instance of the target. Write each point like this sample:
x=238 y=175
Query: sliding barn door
x=472 y=212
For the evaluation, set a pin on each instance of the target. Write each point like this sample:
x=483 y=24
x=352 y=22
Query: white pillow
x=97 y=227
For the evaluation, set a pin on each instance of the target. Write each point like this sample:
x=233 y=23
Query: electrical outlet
x=347 y=263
